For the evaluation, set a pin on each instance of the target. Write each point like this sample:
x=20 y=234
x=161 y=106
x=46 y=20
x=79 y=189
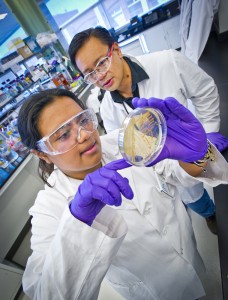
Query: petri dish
x=142 y=136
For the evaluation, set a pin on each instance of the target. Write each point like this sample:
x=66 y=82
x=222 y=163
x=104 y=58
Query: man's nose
x=100 y=76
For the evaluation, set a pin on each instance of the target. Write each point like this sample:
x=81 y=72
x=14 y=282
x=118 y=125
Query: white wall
x=223 y=16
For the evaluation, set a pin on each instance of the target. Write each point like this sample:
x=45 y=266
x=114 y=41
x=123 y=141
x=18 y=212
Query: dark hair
x=28 y=119
x=82 y=37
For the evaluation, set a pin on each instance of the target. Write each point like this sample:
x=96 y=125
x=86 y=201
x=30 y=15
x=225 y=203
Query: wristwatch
x=209 y=156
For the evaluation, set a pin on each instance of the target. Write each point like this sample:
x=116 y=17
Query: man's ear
x=41 y=155
x=116 y=47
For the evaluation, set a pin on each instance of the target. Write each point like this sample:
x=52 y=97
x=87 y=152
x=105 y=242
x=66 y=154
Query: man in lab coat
x=99 y=58
x=195 y=25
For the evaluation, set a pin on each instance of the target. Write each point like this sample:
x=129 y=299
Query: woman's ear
x=41 y=155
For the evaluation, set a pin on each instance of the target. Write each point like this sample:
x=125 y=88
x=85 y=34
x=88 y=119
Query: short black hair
x=82 y=37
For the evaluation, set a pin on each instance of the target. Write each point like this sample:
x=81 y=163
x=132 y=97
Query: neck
x=125 y=88
x=82 y=174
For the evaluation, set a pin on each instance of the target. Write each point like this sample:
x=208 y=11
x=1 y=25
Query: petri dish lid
x=142 y=136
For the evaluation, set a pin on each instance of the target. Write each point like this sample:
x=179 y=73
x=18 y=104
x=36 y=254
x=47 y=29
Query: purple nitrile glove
x=217 y=139
x=101 y=187
x=186 y=139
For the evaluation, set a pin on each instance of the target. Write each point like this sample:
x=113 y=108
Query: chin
x=112 y=89
x=93 y=167
x=96 y=161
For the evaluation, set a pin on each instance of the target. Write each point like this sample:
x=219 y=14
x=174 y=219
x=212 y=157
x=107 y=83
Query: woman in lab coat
x=145 y=246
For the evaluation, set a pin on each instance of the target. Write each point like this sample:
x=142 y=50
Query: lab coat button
x=182 y=251
x=164 y=232
x=147 y=211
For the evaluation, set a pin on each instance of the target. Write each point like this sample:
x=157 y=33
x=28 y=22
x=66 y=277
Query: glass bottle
x=55 y=77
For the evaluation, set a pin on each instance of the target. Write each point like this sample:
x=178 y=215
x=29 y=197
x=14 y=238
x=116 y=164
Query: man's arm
x=201 y=89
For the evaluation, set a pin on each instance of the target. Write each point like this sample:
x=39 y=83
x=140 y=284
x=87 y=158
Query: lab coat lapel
x=159 y=209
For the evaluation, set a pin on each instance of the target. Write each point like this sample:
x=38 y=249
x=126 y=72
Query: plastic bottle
x=6 y=152
x=14 y=140
x=55 y=77
x=6 y=165
x=79 y=79
x=4 y=96
x=65 y=72
x=6 y=169
x=60 y=73
x=4 y=175
x=19 y=86
x=14 y=89
x=5 y=91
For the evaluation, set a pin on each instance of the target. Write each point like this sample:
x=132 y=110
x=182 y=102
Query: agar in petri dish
x=142 y=136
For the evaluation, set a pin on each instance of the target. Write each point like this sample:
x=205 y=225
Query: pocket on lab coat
x=133 y=291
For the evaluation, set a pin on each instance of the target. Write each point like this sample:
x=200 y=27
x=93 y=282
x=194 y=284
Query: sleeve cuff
x=216 y=172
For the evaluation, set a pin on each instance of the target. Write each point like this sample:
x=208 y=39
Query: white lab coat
x=171 y=75
x=93 y=101
x=157 y=257
x=195 y=25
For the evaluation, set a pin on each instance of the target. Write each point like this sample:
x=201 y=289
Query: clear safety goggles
x=66 y=136
x=102 y=67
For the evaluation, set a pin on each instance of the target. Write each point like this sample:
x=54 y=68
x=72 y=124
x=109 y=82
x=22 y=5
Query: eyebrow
x=59 y=129
x=88 y=70
x=65 y=123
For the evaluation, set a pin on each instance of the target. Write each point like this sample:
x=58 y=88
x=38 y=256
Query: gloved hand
x=101 y=187
x=217 y=139
x=186 y=139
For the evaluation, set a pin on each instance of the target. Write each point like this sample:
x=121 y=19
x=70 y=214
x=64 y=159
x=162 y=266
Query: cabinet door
x=17 y=196
x=132 y=46
x=172 y=32
x=155 y=38
x=10 y=281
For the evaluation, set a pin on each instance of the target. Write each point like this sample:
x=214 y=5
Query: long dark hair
x=28 y=119
x=82 y=37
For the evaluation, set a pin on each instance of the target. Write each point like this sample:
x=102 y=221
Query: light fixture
x=2 y=16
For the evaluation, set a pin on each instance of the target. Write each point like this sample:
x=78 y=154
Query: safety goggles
x=66 y=136
x=102 y=67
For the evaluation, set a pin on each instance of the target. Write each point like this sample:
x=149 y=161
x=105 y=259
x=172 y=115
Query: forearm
x=216 y=172
x=192 y=169
x=197 y=167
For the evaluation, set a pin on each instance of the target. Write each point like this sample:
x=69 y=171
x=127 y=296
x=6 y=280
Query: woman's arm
x=70 y=258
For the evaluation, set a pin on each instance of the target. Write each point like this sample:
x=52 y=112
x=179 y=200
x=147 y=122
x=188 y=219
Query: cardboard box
x=16 y=43
x=25 y=51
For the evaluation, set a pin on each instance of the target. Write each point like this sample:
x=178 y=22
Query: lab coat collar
x=138 y=74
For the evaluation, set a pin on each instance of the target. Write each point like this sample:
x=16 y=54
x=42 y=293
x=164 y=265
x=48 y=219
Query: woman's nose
x=82 y=134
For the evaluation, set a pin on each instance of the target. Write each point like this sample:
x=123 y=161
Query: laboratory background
x=34 y=40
